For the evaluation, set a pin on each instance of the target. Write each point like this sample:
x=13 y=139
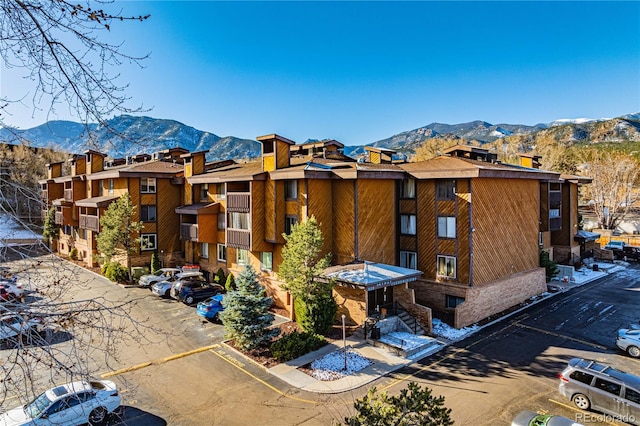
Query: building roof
x=153 y=168
x=96 y=201
x=233 y=172
x=371 y=275
x=199 y=208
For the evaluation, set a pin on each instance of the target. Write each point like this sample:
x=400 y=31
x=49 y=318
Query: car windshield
x=35 y=408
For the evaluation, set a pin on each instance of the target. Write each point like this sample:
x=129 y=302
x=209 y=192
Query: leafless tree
x=62 y=50
x=614 y=188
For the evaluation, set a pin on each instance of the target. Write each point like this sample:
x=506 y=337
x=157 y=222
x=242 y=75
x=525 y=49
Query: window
x=291 y=189
x=581 y=377
x=453 y=301
x=408 y=259
x=408 y=188
x=289 y=222
x=238 y=220
x=408 y=224
x=204 y=192
x=100 y=189
x=608 y=386
x=222 y=222
x=242 y=257
x=554 y=212
x=148 y=241
x=222 y=252
x=148 y=185
x=446 y=227
x=82 y=233
x=446 y=266
x=266 y=261
x=204 y=250
x=110 y=183
x=446 y=189
x=221 y=192
x=632 y=395
x=148 y=213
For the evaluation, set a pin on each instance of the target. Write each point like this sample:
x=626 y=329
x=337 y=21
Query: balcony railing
x=239 y=238
x=189 y=232
x=68 y=194
x=92 y=223
x=239 y=202
x=45 y=195
x=59 y=218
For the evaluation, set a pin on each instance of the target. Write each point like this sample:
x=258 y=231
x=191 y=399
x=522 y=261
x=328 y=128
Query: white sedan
x=629 y=340
x=15 y=325
x=74 y=403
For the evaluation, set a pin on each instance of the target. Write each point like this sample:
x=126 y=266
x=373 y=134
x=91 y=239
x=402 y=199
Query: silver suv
x=592 y=385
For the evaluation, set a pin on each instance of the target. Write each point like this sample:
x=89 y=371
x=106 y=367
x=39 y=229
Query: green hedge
x=296 y=344
x=115 y=272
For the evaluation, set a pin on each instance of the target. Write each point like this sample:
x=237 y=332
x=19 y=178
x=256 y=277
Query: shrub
x=230 y=285
x=116 y=272
x=220 y=277
x=155 y=261
x=296 y=344
x=316 y=315
x=73 y=254
x=551 y=267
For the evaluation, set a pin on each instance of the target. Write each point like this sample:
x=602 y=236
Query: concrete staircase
x=410 y=323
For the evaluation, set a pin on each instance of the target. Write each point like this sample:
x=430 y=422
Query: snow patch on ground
x=12 y=230
x=331 y=366
x=444 y=330
x=406 y=341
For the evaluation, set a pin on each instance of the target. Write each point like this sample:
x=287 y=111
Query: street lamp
x=344 y=342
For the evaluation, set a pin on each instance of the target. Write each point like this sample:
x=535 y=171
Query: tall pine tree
x=246 y=315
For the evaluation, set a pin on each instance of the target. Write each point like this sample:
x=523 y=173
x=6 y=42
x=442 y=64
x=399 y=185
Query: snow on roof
x=374 y=275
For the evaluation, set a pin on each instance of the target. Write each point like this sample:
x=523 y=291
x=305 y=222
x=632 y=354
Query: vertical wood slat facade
x=344 y=221
x=376 y=220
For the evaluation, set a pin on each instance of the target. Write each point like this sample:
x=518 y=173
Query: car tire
x=581 y=401
x=167 y=294
x=188 y=300
x=633 y=351
x=98 y=416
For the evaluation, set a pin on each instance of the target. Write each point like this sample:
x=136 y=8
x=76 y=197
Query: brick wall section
x=491 y=298
x=406 y=297
x=352 y=303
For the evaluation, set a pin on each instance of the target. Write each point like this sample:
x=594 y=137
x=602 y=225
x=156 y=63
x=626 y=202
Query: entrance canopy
x=370 y=275
x=585 y=236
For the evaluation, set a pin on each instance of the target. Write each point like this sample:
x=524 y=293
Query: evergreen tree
x=230 y=283
x=220 y=277
x=50 y=230
x=301 y=269
x=246 y=317
x=414 y=406
x=155 y=261
x=118 y=230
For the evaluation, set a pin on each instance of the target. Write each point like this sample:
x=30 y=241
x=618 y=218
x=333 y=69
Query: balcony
x=92 y=223
x=45 y=196
x=239 y=238
x=59 y=218
x=189 y=231
x=68 y=194
x=239 y=202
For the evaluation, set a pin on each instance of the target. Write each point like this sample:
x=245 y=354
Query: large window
x=148 y=185
x=221 y=252
x=148 y=242
x=446 y=266
x=289 y=222
x=266 y=261
x=242 y=257
x=408 y=188
x=222 y=221
x=204 y=250
x=446 y=189
x=408 y=259
x=446 y=227
x=291 y=189
x=408 y=224
x=148 y=213
x=238 y=220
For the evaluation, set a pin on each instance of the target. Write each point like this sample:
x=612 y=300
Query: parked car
x=13 y=287
x=614 y=245
x=627 y=253
x=211 y=307
x=160 y=275
x=192 y=291
x=629 y=340
x=529 y=418
x=163 y=288
x=14 y=325
x=183 y=278
x=592 y=385
x=73 y=403
x=4 y=295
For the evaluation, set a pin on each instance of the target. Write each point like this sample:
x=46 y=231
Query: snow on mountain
x=563 y=121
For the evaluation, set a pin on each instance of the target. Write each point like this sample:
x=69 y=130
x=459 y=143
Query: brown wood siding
x=374 y=157
x=134 y=190
x=343 y=221
x=280 y=209
x=407 y=207
x=448 y=247
x=168 y=198
x=505 y=216
x=320 y=205
x=292 y=208
x=426 y=227
x=463 y=232
x=282 y=155
x=446 y=208
x=270 y=210
x=407 y=243
x=544 y=206
x=207 y=228
x=198 y=164
x=376 y=220
x=258 y=217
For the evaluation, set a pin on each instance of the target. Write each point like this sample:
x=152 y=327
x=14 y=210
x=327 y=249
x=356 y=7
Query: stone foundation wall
x=352 y=303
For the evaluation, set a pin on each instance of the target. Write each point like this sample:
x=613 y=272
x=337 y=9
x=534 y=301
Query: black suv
x=627 y=253
x=192 y=291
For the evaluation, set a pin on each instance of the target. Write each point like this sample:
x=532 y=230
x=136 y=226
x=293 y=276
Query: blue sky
x=363 y=71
